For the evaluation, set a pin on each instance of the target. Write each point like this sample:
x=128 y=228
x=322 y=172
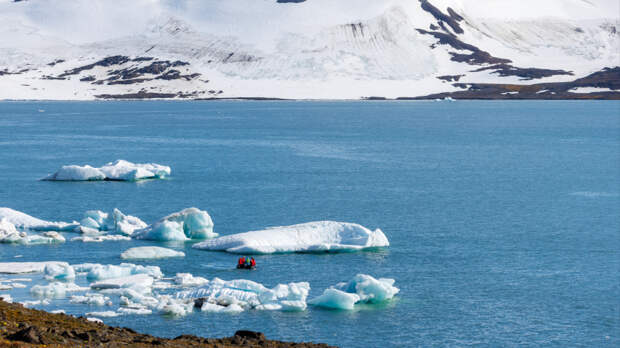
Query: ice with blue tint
x=190 y=223
x=119 y=170
x=361 y=289
x=96 y=271
x=311 y=237
x=10 y=235
x=24 y=221
x=115 y=221
x=59 y=271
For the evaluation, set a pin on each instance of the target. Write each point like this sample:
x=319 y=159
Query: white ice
x=91 y=299
x=188 y=280
x=55 y=290
x=105 y=314
x=150 y=252
x=190 y=223
x=27 y=267
x=140 y=280
x=100 y=272
x=361 y=289
x=119 y=170
x=322 y=236
x=55 y=271
x=99 y=239
x=27 y=222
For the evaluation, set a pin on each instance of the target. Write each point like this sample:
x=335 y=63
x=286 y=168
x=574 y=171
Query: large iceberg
x=361 y=289
x=321 y=236
x=247 y=294
x=150 y=252
x=119 y=170
x=190 y=223
x=116 y=221
x=27 y=222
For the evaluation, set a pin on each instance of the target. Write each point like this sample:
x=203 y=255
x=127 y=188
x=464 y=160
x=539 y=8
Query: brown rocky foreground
x=23 y=327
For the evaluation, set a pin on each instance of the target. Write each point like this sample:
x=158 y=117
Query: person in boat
x=248 y=263
x=252 y=262
x=241 y=263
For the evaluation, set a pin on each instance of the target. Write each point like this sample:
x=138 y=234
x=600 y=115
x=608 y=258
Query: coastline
x=25 y=327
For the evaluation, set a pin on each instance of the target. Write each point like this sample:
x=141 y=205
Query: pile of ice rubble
x=119 y=170
x=98 y=226
x=144 y=290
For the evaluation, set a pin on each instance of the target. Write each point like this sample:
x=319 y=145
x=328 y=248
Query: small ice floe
x=191 y=223
x=312 y=237
x=95 y=271
x=98 y=221
x=188 y=280
x=150 y=252
x=91 y=299
x=59 y=271
x=361 y=289
x=99 y=239
x=105 y=314
x=119 y=170
x=26 y=222
x=247 y=294
x=6 y=298
x=30 y=304
x=141 y=280
x=55 y=290
x=27 y=267
x=58 y=311
x=95 y=320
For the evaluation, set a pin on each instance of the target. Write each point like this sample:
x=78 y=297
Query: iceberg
x=150 y=252
x=361 y=289
x=97 y=271
x=55 y=271
x=91 y=299
x=26 y=222
x=119 y=170
x=321 y=236
x=247 y=294
x=96 y=220
x=27 y=267
x=191 y=223
x=105 y=314
x=99 y=239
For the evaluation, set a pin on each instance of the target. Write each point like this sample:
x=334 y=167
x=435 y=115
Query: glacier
x=311 y=237
x=190 y=223
x=119 y=170
x=150 y=253
x=362 y=288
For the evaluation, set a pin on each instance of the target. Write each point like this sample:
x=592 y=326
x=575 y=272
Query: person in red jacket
x=253 y=262
x=241 y=262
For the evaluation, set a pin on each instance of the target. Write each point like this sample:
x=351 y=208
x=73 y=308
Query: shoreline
x=25 y=327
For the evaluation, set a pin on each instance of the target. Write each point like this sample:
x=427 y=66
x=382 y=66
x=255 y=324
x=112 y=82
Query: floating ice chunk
x=58 y=311
x=26 y=267
x=119 y=170
x=126 y=224
x=26 y=239
x=25 y=221
x=6 y=298
x=18 y=285
x=96 y=220
x=99 y=239
x=101 y=272
x=91 y=299
x=249 y=294
x=362 y=288
x=105 y=314
x=337 y=299
x=6 y=286
x=188 y=280
x=76 y=173
x=369 y=289
x=141 y=280
x=214 y=308
x=322 y=236
x=55 y=290
x=56 y=271
x=136 y=311
x=190 y=223
x=95 y=320
x=30 y=304
x=175 y=307
x=150 y=253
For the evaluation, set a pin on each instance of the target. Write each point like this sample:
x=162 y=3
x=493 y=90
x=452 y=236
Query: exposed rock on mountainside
x=294 y=49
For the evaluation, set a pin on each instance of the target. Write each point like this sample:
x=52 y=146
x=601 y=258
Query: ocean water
x=503 y=217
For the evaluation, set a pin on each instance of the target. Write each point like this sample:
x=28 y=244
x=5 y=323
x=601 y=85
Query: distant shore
x=23 y=327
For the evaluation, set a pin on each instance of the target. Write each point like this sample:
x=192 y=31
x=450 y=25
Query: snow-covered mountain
x=318 y=49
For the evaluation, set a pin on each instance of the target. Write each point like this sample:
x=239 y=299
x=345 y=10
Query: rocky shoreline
x=24 y=327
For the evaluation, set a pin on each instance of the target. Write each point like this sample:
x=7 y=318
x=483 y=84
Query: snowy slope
x=87 y=49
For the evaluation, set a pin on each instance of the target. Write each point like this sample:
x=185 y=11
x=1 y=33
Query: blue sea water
x=503 y=217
